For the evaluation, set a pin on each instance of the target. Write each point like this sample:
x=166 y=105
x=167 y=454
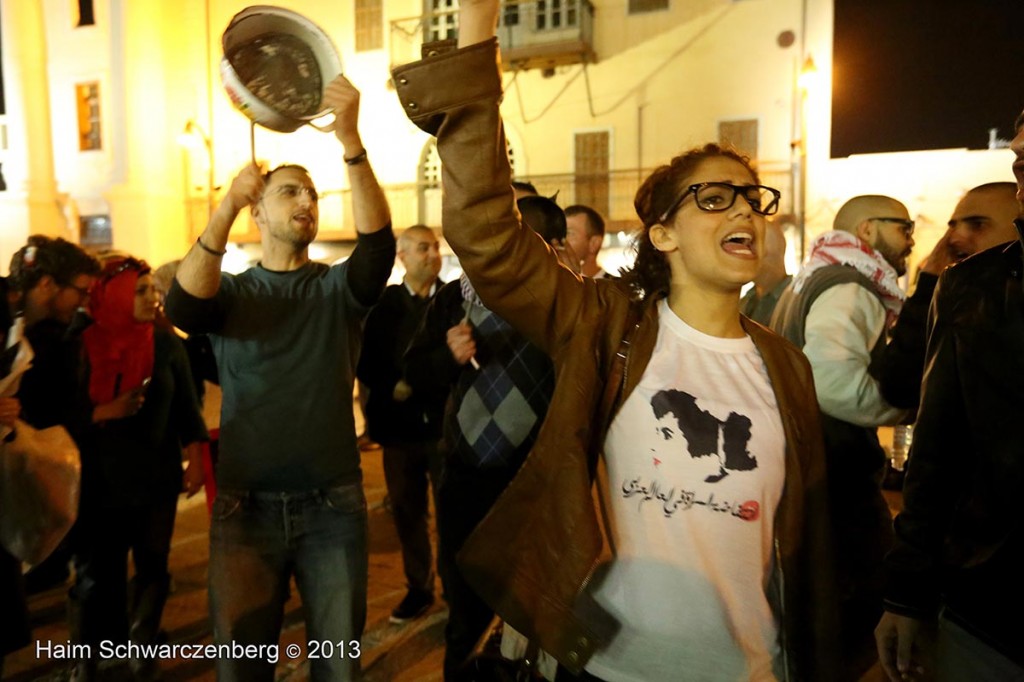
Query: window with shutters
x=442 y=22
x=369 y=25
x=555 y=14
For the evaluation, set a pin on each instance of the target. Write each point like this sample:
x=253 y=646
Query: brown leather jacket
x=533 y=554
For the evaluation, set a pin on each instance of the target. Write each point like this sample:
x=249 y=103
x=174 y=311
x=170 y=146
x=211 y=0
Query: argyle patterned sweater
x=493 y=413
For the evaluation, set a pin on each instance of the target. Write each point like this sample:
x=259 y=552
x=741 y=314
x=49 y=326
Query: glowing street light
x=806 y=79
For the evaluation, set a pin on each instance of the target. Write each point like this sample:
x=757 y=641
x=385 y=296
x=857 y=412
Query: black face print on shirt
x=701 y=430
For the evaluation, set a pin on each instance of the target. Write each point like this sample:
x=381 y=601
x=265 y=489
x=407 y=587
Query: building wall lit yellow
x=662 y=82
x=30 y=202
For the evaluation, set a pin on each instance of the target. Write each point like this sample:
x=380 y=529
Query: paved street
x=402 y=653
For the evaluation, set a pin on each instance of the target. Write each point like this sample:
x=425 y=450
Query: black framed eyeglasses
x=720 y=196
x=906 y=224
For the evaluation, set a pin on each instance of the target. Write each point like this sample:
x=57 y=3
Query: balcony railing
x=532 y=33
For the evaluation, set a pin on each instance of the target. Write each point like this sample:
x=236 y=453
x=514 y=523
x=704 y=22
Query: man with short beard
x=286 y=334
x=959 y=538
x=837 y=310
x=982 y=219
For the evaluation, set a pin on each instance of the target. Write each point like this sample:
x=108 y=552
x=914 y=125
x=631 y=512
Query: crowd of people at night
x=640 y=476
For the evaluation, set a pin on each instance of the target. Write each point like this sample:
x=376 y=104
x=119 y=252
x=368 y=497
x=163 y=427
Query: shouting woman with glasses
x=704 y=555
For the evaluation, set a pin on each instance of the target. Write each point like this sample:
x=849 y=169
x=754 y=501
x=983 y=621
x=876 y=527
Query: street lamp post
x=807 y=75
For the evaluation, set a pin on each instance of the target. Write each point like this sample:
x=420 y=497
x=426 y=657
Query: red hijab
x=119 y=348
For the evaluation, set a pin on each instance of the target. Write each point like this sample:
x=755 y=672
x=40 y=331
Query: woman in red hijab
x=145 y=412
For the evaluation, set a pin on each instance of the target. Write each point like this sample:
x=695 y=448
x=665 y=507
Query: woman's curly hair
x=650 y=272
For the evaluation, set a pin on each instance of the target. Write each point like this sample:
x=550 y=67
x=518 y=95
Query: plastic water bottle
x=902 y=436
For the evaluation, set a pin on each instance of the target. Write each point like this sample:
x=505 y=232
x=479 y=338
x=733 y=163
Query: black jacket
x=136 y=461
x=55 y=390
x=390 y=327
x=901 y=366
x=960 y=533
x=14 y=628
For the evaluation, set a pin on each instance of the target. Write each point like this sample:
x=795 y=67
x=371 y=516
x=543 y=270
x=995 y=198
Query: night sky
x=925 y=74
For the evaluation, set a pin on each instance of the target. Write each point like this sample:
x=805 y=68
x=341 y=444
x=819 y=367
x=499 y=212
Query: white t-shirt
x=695 y=464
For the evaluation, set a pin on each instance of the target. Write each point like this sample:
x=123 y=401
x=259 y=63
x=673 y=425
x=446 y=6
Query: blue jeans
x=257 y=542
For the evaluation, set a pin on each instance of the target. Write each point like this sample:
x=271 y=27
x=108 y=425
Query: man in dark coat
x=405 y=422
x=960 y=534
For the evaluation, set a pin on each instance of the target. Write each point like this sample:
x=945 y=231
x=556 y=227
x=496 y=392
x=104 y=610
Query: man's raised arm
x=369 y=205
x=199 y=272
x=478 y=20
x=374 y=255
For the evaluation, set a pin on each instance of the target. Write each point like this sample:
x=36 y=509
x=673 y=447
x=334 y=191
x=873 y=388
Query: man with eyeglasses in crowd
x=286 y=334
x=49 y=282
x=837 y=309
x=983 y=218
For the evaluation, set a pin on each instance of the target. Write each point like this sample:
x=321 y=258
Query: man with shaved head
x=837 y=310
x=981 y=220
x=882 y=223
x=959 y=537
x=405 y=422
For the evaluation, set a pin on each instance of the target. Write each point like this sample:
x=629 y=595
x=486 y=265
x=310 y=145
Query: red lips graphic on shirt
x=750 y=511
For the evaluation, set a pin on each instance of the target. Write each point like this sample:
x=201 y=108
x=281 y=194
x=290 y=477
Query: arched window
x=430 y=185
x=429 y=178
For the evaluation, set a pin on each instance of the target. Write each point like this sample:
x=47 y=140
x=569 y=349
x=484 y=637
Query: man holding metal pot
x=286 y=335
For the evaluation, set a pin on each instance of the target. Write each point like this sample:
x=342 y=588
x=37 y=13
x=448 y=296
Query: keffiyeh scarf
x=842 y=248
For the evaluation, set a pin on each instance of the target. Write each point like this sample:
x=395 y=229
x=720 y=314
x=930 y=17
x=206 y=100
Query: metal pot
x=253 y=31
